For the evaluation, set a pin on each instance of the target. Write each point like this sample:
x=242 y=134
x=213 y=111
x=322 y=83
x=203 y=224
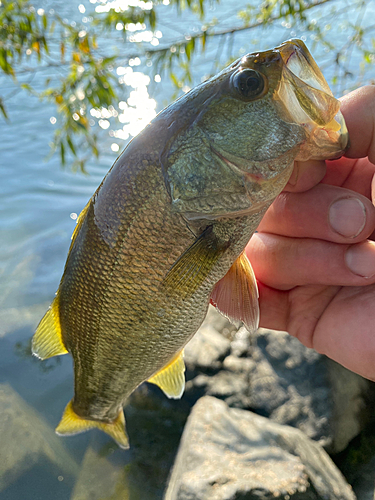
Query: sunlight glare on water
x=139 y=109
x=121 y=5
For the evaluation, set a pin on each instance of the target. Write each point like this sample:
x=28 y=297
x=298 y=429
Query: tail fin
x=71 y=424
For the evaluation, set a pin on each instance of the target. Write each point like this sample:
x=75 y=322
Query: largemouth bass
x=166 y=230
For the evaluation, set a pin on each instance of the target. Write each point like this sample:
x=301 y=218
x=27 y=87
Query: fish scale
x=165 y=232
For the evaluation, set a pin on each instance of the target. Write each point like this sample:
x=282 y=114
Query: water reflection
x=121 y=5
x=139 y=109
x=26 y=440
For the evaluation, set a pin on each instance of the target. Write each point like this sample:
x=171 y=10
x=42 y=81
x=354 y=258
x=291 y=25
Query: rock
x=231 y=454
x=100 y=479
x=207 y=349
x=26 y=440
x=154 y=425
x=351 y=410
x=357 y=463
x=273 y=374
x=364 y=482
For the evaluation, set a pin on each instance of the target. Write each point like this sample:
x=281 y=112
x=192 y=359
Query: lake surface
x=39 y=203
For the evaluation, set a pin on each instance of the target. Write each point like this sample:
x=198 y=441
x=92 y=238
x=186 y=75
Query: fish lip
x=308 y=101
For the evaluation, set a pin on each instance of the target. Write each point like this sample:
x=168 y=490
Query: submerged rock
x=155 y=425
x=231 y=454
x=26 y=440
x=273 y=374
x=100 y=478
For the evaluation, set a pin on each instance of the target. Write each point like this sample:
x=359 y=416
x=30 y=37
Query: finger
x=358 y=109
x=284 y=263
x=306 y=174
x=324 y=212
x=351 y=174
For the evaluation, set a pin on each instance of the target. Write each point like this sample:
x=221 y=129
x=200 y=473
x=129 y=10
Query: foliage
x=32 y=40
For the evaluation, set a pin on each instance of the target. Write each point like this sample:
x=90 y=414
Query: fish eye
x=248 y=83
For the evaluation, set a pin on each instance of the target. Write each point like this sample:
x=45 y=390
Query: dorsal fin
x=236 y=295
x=47 y=340
x=80 y=219
x=171 y=378
x=72 y=424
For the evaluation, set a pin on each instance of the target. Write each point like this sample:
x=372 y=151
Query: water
x=38 y=207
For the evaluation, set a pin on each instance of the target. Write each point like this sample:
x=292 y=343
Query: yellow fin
x=72 y=424
x=194 y=265
x=171 y=378
x=47 y=340
x=236 y=295
x=80 y=220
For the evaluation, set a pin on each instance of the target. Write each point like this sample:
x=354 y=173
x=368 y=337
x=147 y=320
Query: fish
x=165 y=232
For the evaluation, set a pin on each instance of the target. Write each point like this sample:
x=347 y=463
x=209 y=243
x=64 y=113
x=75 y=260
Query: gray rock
x=100 y=478
x=232 y=454
x=350 y=408
x=27 y=439
x=274 y=375
x=155 y=425
x=207 y=349
x=364 y=483
x=357 y=463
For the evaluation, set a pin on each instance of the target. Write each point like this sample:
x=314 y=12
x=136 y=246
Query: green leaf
x=62 y=153
x=204 y=38
x=2 y=109
x=152 y=18
x=71 y=145
x=174 y=79
x=189 y=48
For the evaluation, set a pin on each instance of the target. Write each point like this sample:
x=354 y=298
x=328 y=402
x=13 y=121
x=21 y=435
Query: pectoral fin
x=194 y=265
x=171 y=378
x=72 y=424
x=47 y=340
x=236 y=295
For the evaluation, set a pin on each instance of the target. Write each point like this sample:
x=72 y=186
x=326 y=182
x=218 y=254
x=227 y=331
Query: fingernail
x=360 y=259
x=347 y=217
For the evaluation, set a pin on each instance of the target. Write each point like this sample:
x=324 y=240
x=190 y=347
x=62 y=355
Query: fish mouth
x=305 y=94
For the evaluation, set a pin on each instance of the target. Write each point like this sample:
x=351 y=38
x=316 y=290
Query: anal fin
x=72 y=424
x=171 y=378
x=236 y=295
x=47 y=340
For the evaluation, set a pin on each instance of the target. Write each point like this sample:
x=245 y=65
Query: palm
x=339 y=322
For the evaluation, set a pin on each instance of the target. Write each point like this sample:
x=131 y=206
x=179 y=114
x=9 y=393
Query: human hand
x=313 y=255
